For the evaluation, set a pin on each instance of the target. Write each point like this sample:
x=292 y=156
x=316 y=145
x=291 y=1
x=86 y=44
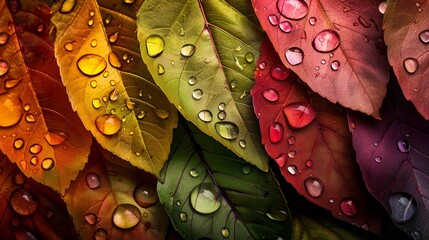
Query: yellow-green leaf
x=202 y=55
x=108 y=84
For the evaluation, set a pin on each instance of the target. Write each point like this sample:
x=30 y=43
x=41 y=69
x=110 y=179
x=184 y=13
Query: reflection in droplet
x=313 y=186
x=154 y=45
x=292 y=9
x=126 y=216
x=108 y=124
x=23 y=202
x=227 y=130
x=205 y=116
x=277 y=215
x=187 y=50
x=205 y=198
x=411 y=65
x=402 y=207
x=326 y=41
x=348 y=207
x=91 y=64
x=294 y=56
x=92 y=180
x=275 y=132
x=145 y=195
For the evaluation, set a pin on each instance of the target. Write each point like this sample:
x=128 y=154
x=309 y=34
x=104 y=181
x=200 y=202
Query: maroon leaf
x=393 y=156
x=309 y=139
x=406 y=32
x=332 y=46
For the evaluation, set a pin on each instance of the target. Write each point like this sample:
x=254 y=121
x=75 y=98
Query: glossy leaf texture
x=309 y=139
x=108 y=84
x=40 y=132
x=211 y=193
x=336 y=47
x=393 y=156
x=111 y=199
x=202 y=55
x=406 y=32
x=30 y=210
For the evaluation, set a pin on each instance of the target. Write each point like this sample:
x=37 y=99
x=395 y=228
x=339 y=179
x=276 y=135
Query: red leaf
x=310 y=140
x=393 y=155
x=332 y=46
x=407 y=37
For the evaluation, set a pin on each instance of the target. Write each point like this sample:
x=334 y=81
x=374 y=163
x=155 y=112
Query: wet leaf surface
x=205 y=67
x=211 y=193
x=309 y=139
x=333 y=46
x=40 y=132
x=108 y=84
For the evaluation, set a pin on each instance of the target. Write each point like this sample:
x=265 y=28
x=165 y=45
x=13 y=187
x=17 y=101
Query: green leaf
x=202 y=55
x=210 y=192
x=108 y=84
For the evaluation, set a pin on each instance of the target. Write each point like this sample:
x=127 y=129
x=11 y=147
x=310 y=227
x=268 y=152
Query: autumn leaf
x=202 y=55
x=211 y=193
x=393 y=156
x=309 y=139
x=333 y=46
x=40 y=132
x=406 y=31
x=108 y=84
x=111 y=199
x=29 y=209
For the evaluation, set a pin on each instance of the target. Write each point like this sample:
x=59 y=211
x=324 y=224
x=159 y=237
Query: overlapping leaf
x=393 y=156
x=30 y=210
x=309 y=139
x=113 y=200
x=406 y=31
x=211 y=193
x=40 y=132
x=108 y=84
x=202 y=55
x=332 y=46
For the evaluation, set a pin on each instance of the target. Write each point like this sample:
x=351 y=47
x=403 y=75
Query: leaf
x=332 y=46
x=407 y=36
x=202 y=55
x=29 y=209
x=108 y=84
x=211 y=193
x=40 y=132
x=393 y=155
x=113 y=200
x=310 y=141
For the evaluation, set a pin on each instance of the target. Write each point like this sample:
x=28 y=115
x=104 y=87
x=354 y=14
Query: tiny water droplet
x=145 y=195
x=193 y=172
x=183 y=216
x=277 y=215
x=273 y=19
x=205 y=198
x=411 y=65
x=154 y=45
x=23 y=202
x=382 y=7
x=291 y=154
x=249 y=57
x=294 y=56
x=424 y=36
x=161 y=69
x=225 y=232
x=331 y=200
x=96 y=103
x=114 y=95
x=275 y=132
x=313 y=186
x=94 y=43
x=4 y=38
x=18 y=143
x=126 y=216
x=91 y=64
x=292 y=169
x=4 y=67
x=197 y=94
x=348 y=207
x=292 y=9
x=192 y=80
x=19 y=178
x=378 y=159
x=30 y=118
x=91 y=22
x=178 y=203
x=40 y=27
x=161 y=113
x=108 y=19
x=108 y=124
x=404 y=145
x=242 y=143
x=93 y=83
x=92 y=180
x=271 y=95
x=415 y=234
x=309 y=163
x=90 y=218
x=221 y=115
x=291 y=140
x=187 y=50
x=246 y=169
x=312 y=21
x=362 y=21
x=402 y=207
x=281 y=160
x=100 y=234
x=326 y=41
x=227 y=130
x=48 y=163
x=299 y=115
x=34 y=160
x=67 y=6
x=262 y=65
x=222 y=106
x=35 y=148
x=205 y=116
x=141 y=115
x=279 y=72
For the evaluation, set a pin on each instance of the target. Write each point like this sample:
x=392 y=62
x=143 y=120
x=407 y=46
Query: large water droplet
x=23 y=202
x=277 y=215
x=187 y=50
x=279 y=72
x=294 y=56
x=292 y=9
x=205 y=116
x=411 y=65
x=90 y=218
x=126 y=216
x=100 y=234
x=4 y=67
x=91 y=64
x=299 y=115
x=424 y=36
x=92 y=180
x=4 y=38
x=11 y=112
x=56 y=137
x=404 y=145
x=313 y=186
x=197 y=94
x=205 y=198
x=154 y=45
x=227 y=130
x=108 y=124
x=326 y=41
x=402 y=207
x=67 y=6
x=286 y=27
x=145 y=195
x=348 y=207
x=275 y=132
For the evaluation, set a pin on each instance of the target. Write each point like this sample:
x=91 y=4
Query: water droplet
x=279 y=72
x=348 y=207
x=378 y=159
x=35 y=148
x=312 y=21
x=273 y=19
x=205 y=116
x=271 y=95
x=225 y=232
x=96 y=103
x=404 y=145
x=11 y=83
x=294 y=56
x=141 y=115
x=108 y=124
x=100 y=234
x=249 y=57
x=91 y=64
x=299 y=115
x=161 y=69
x=227 y=130
x=30 y=118
x=114 y=60
x=154 y=45
x=56 y=137
x=205 y=198
x=233 y=84
x=326 y=41
x=309 y=163
x=48 y=163
x=93 y=83
x=415 y=234
x=222 y=106
x=4 y=67
x=19 y=178
x=313 y=186
x=90 y=22
x=291 y=154
x=331 y=200
x=193 y=172
x=192 y=80
x=34 y=160
x=92 y=180
x=183 y=216
x=424 y=36
x=67 y=6
x=129 y=1
x=4 y=38
x=178 y=203
x=291 y=140
x=292 y=169
x=275 y=132
x=242 y=143
x=221 y=115
x=94 y=43
x=18 y=143
x=292 y=9
x=277 y=215
x=411 y=65
x=90 y=218
x=114 y=95
x=402 y=207
x=145 y=195
x=23 y=202
x=108 y=19
x=197 y=94
x=335 y=65
x=382 y=7
x=187 y=50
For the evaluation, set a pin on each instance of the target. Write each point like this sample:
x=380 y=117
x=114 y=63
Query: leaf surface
x=211 y=193
x=202 y=55
x=393 y=156
x=332 y=46
x=40 y=132
x=309 y=138
x=108 y=84
x=406 y=32
x=111 y=199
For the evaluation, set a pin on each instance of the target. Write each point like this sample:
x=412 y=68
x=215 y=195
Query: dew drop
x=161 y=69
x=108 y=19
x=404 y=145
x=291 y=154
x=90 y=22
x=273 y=19
x=197 y=94
x=114 y=37
x=108 y=124
x=424 y=36
x=92 y=180
x=96 y=103
x=292 y=9
x=56 y=137
x=242 y=143
x=114 y=60
x=205 y=198
x=312 y=21
x=91 y=64
x=4 y=38
x=34 y=160
x=227 y=130
x=183 y=216
x=35 y=148
x=279 y=72
x=221 y=115
x=249 y=57
x=262 y=65
x=90 y=218
x=100 y=234
x=222 y=106
x=141 y=115
x=126 y=216
x=402 y=207
x=277 y=215
x=94 y=43
x=348 y=207
x=4 y=67
x=205 y=116
x=378 y=159
x=30 y=118
x=154 y=45
x=271 y=95
x=18 y=143
x=194 y=173
x=145 y=195
x=326 y=41
x=11 y=83
x=187 y=50
x=411 y=65
x=294 y=56
x=23 y=202
x=275 y=132
x=292 y=169
x=382 y=7
x=299 y=115
x=313 y=186
x=48 y=163
x=67 y=6
x=192 y=80
x=225 y=232
x=335 y=65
